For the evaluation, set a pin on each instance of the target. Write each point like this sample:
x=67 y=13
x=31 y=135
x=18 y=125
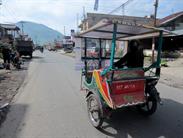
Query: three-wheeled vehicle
x=108 y=88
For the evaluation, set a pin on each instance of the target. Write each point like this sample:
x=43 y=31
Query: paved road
x=50 y=105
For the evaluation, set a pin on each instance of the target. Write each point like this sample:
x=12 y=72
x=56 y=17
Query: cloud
x=59 y=13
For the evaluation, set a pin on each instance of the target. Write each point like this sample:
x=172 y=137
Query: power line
x=10 y=13
x=122 y=6
x=155 y=12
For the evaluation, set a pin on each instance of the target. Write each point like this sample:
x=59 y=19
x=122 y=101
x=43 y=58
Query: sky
x=59 y=13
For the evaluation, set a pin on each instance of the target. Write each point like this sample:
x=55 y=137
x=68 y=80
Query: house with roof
x=93 y=18
x=174 y=23
x=8 y=32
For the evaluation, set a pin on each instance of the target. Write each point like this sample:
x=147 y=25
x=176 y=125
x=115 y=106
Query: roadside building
x=7 y=35
x=174 y=23
x=93 y=18
x=8 y=32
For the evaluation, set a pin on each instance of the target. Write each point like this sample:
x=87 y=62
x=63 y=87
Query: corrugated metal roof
x=104 y=29
x=141 y=20
x=9 y=26
x=178 y=32
x=170 y=18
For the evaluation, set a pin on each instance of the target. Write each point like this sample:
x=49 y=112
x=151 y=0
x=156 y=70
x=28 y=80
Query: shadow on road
x=2 y=77
x=37 y=57
x=27 y=59
x=11 y=128
x=166 y=122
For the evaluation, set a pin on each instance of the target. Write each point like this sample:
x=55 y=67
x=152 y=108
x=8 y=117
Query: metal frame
x=156 y=65
x=96 y=83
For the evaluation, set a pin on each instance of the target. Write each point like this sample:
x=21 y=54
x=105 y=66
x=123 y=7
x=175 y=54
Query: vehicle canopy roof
x=125 y=30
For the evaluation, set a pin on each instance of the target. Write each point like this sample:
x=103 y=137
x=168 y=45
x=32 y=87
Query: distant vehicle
x=40 y=48
x=24 y=46
x=68 y=48
x=52 y=49
x=68 y=44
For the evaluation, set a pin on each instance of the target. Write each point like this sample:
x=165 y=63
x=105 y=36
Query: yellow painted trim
x=101 y=89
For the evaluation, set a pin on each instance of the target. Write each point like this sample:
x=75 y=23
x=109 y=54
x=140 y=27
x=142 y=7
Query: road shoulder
x=10 y=83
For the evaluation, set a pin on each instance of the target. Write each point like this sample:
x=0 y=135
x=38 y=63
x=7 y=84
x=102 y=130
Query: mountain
x=40 y=33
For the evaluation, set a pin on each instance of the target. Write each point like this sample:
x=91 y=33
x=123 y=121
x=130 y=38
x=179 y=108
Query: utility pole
x=77 y=22
x=64 y=30
x=1 y=3
x=123 y=10
x=84 y=15
x=96 y=5
x=122 y=7
x=36 y=40
x=22 y=23
x=155 y=11
x=155 y=23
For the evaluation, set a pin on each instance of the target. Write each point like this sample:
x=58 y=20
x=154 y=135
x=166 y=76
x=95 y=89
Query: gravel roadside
x=10 y=82
x=173 y=74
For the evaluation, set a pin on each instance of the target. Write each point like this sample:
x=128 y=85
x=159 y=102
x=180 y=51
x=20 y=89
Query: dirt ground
x=10 y=82
x=173 y=74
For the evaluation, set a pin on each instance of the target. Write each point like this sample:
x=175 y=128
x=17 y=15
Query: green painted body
x=92 y=85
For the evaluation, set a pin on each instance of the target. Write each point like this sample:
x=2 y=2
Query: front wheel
x=95 y=112
x=150 y=106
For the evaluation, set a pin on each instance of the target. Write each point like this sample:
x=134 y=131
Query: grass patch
x=164 y=63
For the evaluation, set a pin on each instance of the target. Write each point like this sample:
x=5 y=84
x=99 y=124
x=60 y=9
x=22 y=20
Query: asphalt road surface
x=50 y=105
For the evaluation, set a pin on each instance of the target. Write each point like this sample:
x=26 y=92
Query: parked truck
x=24 y=46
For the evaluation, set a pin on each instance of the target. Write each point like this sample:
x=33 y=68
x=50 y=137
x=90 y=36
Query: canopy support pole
x=159 y=53
x=112 y=51
x=113 y=46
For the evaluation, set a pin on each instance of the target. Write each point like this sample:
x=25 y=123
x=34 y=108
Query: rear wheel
x=30 y=55
x=150 y=106
x=8 y=66
x=18 y=66
x=95 y=112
